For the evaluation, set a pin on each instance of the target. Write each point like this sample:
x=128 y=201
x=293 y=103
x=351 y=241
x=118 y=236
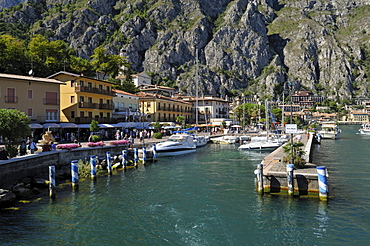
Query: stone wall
x=37 y=165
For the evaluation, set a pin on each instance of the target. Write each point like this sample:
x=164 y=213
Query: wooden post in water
x=74 y=173
x=124 y=159
x=109 y=162
x=52 y=181
x=136 y=156
x=323 y=183
x=144 y=155
x=154 y=149
x=289 y=176
x=259 y=175
x=93 y=166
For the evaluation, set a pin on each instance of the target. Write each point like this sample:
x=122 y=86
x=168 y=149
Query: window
x=82 y=114
x=72 y=114
x=11 y=95
x=108 y=115
x=100 y=87
x=51 y=98
x=29 y=94
x=51 y=114
x=89 y=85
x=122 y=105
x=72 y=83
x=81 y=99
x=73 y=100
x=116 y=105
x=90 y=114
x=29 y=112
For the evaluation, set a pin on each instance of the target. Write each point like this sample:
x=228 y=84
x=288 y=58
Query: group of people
x=23 y=148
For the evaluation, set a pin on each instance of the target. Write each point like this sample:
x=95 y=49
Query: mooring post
x=124 y=159
x=144 y=155
x=154 y=149
x=136 y=156
x=74 y=173
x=323 y=183
x=109 y=162
x=289 y=176
x=52 y=181
x=93 y=166
x=259 y=175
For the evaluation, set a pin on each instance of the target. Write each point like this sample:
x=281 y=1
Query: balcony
x=87 y=120
x=11 y=99
x=93 y=90
x=87 y=105
x=51 y=101
x=106 y=106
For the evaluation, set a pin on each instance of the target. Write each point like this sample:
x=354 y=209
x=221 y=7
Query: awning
x=68 y=125
x=35 y=126
x=51 y=125
x=106 y=126
x=83 y=126
x=237 y=126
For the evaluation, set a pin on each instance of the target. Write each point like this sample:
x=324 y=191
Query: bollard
x=109 y=162
x=259 y=174
x=52 y=181
x=154 y=149
x=124 y=158
x=136 y=156
x=323 y=183
x=74 y=172
x=93 y=166
x=144 y=155
x=289 y=176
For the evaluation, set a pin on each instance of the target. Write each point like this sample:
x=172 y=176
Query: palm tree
x=297 y=153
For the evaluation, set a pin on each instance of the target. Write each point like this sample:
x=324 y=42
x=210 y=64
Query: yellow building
x=157 y=108
x=84 y=99
x=38 y=98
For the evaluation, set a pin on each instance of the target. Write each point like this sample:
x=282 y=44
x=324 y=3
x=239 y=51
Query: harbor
x=202 y=198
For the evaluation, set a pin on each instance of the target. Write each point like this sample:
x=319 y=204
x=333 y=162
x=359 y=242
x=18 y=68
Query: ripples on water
x=205 y=198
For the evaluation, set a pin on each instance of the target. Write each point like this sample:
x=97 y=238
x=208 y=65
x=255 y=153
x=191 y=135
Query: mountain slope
x=250 y=45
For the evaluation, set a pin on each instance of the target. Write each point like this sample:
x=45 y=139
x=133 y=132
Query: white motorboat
x=201 y=141
x=177 y=144
x=365 y=128
x=226 y=139
x=260 y=145
x=329 y=130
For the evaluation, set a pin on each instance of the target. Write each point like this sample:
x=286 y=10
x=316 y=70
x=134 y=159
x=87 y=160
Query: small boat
x=329 y=130
x=365 y=128
x=177 y=144
x=201 y=141
x=226 y=139
x=260 y=145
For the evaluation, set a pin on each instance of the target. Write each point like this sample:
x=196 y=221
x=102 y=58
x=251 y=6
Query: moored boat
x=177 y=144
x=329 y=130
x=365 y=128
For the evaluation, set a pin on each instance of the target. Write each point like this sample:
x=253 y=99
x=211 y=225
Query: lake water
x=204 y=198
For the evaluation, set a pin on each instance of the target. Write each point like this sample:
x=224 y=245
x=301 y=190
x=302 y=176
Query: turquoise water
x=204 y=198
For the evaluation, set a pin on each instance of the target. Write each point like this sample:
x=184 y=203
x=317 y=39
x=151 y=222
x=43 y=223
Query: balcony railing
x=49 y=101
x=106 y=106
x=87 y=105
x=11 y=99
x=87 y=120
x=94 y=90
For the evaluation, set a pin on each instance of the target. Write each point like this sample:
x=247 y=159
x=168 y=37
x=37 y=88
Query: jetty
x=278 y=178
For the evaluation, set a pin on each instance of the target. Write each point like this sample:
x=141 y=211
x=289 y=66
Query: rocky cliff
x=254 y=46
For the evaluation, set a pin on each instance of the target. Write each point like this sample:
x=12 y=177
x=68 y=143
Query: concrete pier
x=305 y=180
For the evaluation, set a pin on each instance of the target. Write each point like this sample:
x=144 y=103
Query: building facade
x=84 y=99
x=126 y=106
x=157 y=108
x=38 y=98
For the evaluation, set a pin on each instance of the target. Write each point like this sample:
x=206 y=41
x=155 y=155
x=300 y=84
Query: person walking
x=32 y=146
x=23 y=148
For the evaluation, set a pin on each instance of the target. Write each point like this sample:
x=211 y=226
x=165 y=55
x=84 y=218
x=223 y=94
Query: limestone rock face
x=254 y=46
